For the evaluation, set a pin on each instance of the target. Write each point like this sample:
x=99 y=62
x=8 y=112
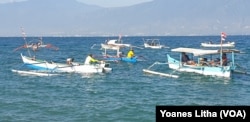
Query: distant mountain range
x=156 y=18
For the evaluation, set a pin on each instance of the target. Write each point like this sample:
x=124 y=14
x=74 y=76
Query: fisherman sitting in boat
x=69 y=61
x=130 y=53
x=91 y=60
x=203 y=61
x=216 y=62
x=185 y=59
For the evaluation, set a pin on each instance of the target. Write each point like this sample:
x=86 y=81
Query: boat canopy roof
x=200 y=52
x=112 y=41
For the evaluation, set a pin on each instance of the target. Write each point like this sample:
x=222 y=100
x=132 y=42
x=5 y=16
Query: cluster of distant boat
x=201 y=57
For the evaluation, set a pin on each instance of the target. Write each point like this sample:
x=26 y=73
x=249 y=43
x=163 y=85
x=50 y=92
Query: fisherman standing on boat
x=91 y=60
x=224 y=59
x=184 y=57
x=130 y=53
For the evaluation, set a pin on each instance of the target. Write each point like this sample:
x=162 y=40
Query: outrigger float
x=34 y=72
x=159 y=73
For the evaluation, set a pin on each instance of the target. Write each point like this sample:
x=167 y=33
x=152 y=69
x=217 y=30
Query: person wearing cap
x=69 y=61
x=130 y=53
x=90 y=60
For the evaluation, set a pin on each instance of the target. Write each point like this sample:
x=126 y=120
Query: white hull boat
x=146 y=45
x=201 y=66
x=61 y=67
x=153 y=43
x=228 y=44
x=200 y=62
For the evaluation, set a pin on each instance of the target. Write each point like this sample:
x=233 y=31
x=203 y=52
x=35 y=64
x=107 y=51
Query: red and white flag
x=223 y=36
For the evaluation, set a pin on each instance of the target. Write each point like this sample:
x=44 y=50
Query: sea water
x=125 y=94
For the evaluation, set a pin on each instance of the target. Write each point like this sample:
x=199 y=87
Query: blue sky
x=103 y=3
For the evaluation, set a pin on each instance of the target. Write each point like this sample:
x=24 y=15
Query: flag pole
x=223 y=36
x=24 y=38
x=221 y=50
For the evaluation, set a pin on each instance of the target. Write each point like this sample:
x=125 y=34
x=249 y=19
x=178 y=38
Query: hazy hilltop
x=159 y=17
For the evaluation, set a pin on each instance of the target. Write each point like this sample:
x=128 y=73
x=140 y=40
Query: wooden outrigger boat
x=113 y=44
x=209 y=68
x=116 y=45
x=202 y=64
x=221 y=44
x=61 y=67
x=153 y=43
x=209 y=44
x=118 y=56
x=36 y=45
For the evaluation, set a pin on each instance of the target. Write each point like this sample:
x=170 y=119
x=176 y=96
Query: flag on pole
x=223 y=36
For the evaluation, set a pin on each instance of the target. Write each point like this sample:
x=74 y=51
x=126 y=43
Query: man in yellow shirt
x=130 y=53
x=90 y=60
